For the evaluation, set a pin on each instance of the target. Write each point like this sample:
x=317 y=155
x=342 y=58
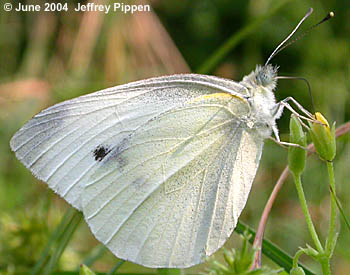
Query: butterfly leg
x=287 y=144
x=283 y=143
x=279 y=110
x=306 y=112
x=284 y=104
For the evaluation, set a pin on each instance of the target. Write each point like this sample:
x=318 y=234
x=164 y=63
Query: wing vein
x=234 y=132
x=62 y=138
x=149 y=193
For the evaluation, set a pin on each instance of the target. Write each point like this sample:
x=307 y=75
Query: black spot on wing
x=115 y=154
x=100 y=152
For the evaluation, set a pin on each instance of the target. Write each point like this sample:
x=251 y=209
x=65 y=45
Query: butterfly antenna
x=308 y=87
x=289 y=36
x=329 y=16
x=284 y=43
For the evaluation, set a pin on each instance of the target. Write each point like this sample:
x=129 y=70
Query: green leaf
x=310 y=251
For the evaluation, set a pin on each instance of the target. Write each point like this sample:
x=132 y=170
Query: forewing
x=171 y=192
x=62 y=143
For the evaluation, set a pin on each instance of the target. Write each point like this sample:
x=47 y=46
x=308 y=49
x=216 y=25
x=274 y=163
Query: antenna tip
x=329 y=16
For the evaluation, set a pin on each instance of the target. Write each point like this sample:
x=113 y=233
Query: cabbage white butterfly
x=161 y=168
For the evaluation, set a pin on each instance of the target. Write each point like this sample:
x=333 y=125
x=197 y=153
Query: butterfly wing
x=62 y=143
x=171 y=192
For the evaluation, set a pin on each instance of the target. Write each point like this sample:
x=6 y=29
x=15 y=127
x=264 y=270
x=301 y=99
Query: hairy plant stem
x=296 y=258
x=325 y=267
x=324 y=255
x=333 y=216
x=331 y=240
x=307 y=215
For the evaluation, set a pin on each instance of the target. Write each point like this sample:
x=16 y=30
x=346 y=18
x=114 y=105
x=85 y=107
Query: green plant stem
x=331 y=234
x=325 y=267
x=296 y=258
x=331 y=240
x=307 y=215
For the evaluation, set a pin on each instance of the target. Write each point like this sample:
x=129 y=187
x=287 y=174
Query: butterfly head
x=263 y=76
x=266 y=75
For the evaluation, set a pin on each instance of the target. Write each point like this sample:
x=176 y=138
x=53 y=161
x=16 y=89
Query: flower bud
x=84 y=270
x=297 y=271
x=296 y=156
x=323 y=138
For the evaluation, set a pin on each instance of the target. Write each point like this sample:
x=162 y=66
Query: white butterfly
x=161 y=168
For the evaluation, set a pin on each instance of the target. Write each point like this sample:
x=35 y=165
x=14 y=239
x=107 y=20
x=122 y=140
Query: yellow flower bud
x=323 y=138
x=319 y=117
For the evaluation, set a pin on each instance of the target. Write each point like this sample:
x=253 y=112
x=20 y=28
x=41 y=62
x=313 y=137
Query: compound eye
x=266 y=75
x=264 y=79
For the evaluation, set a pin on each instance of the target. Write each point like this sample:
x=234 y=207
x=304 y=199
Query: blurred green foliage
x=49 y=57
x=22 y=235
x=239 y=262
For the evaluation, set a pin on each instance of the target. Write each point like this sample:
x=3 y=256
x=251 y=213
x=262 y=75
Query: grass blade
x=67 y=219
x=115 y=267
x=94 y=255
x=63 y=241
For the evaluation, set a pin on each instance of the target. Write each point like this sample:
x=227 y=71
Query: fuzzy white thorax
x=261 y=83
